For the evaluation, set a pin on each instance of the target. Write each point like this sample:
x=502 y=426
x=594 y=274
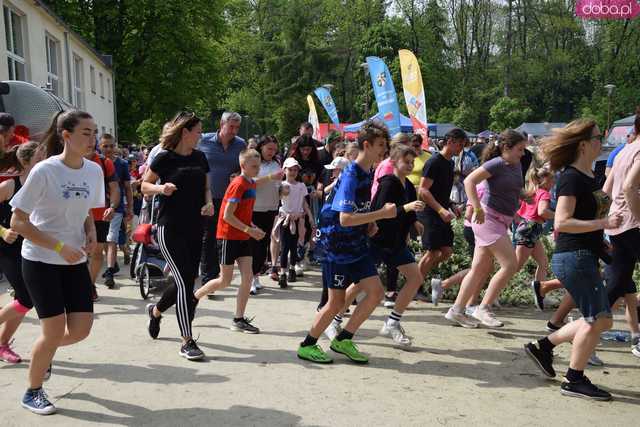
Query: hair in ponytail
x=64 y=120
x=508 y=138
x=535 y=177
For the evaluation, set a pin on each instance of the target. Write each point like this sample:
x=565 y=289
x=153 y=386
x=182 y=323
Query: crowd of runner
x=70 y=202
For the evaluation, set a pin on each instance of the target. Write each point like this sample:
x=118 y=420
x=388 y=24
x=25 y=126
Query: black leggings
x=181 y=249
x=289 y=248
x=11 y=266
x=210 y=263
x=260 y=248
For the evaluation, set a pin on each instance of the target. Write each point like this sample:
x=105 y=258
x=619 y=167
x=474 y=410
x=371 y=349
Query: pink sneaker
x=9 y=355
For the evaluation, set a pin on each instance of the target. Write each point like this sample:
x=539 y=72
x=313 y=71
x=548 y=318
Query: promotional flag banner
x=313 y=117
x=413 y=91
x=385 y=93
x=326 y=100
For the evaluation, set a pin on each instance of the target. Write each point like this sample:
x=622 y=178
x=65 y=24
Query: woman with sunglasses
x=184 y=198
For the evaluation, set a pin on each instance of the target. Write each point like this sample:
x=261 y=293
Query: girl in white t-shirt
x=290 y=227
x=51 y=212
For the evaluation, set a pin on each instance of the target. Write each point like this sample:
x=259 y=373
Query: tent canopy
x=539 y=129
x=627 y=121
x=486 y=134
x=441 y=129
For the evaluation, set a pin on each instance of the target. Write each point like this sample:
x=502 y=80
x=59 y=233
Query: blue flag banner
x=326 y=100
x=385 y=93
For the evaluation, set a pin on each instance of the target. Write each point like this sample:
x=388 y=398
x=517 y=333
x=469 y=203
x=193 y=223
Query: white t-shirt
x=294 y=202
x=58 y=200
x=267 y=197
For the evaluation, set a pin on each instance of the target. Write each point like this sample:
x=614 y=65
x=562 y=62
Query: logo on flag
x=381 y=79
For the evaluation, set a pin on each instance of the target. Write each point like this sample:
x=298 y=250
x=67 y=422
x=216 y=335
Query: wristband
x=3 y=231
x=58 y=247
x=476 y=210
x=442 y=210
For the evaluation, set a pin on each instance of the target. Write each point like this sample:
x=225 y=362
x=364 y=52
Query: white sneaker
x=254 y=288
x=635 y=346
x=436 y=291
x=256 y=283
x=299 y=270
x=460 y=319
x=333 y=330
x=594 y=360
x=487 y=318
x=396 y=332
x=470 y=310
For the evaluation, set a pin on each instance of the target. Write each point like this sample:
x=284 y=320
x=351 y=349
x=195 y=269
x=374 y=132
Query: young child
x=346 y=220
x=534 y=211
x=290 y=226
x=335 y=168
x=234 y=230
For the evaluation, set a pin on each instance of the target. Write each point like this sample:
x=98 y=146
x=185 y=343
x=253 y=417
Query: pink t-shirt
x=384 y=168
x=529 y=211
x=615 y=186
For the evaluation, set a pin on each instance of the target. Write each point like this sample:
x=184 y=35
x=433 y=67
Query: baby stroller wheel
x=134 y=260
x=144 y=280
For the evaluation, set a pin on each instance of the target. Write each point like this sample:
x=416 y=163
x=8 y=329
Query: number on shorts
x=338 y=280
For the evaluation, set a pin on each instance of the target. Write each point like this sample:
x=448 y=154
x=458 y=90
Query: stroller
x=148 y=266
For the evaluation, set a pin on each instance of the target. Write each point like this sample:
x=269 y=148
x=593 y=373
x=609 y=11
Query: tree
x=508 y=113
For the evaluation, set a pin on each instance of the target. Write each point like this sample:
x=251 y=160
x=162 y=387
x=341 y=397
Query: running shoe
x=469 y=310
x=543 y=359
x=538 y=299
x=487 y=318
x=349 y=349
x=274 y=275
x=594 y=360
x=8 y=355
x=37 y=402
x=436 y=291
x=552 y=328
x=585 y=389
x=191 y=351
x=421 y=296
x=390 y=300
x=460 y=319
x=292 y=277
x=244 y=325
x=109 y=282
x=254 y=288
x=333 y=330
x=299 y=269
x=314 y=353
x=127 y=259
x=635 y=346
x=153 y=324
x=282 y=281
x=396 y=332
x=256 y=281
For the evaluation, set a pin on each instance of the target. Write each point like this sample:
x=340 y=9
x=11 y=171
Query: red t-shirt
x=109 y=171
x=530 y=210
x=242 y=192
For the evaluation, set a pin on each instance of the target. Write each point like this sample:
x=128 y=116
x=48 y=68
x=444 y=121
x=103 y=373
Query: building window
x=92 y=76
x=101 y=79
x=53 y=64
x=14 y=34
x=78 y=82
x=109 y=89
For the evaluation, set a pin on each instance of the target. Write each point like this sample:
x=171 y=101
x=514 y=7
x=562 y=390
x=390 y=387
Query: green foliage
x=148 y=132
x=508 y=113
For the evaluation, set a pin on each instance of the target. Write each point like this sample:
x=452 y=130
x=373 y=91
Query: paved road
x=119 y=376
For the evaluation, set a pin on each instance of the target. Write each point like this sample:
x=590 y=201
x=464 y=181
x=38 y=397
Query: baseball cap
x=290 y=162
x=337 y=163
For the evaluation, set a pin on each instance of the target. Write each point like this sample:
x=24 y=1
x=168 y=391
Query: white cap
x=290 y=162
x=338 y=163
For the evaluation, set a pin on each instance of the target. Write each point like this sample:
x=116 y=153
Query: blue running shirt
x=352 y=193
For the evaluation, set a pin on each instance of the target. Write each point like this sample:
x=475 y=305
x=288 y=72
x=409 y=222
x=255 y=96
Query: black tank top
x=5 y=213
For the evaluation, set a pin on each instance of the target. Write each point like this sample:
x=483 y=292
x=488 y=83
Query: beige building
x=36 y=46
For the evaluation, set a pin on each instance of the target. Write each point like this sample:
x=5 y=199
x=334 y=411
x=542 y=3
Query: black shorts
x=102 y=230
x=58 y=289
x=471 y=240
x=625 y=256
x=340 y=276
x=437 y=233
x=230 y=250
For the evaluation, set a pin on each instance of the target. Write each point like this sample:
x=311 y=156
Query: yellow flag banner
x=413 y=91
x=313 y=117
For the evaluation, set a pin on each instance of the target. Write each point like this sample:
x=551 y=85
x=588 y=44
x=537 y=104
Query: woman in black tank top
x=21 y=158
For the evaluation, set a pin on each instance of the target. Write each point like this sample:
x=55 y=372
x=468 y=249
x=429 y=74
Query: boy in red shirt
x=233 y=233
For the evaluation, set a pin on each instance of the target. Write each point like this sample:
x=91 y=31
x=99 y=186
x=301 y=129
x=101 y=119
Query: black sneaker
x=583 y=388
x=109 y=282
x=153 y=325
x=552 y=328
x=244 y=325
x=191 y=351
x=538 y=299
x=116 y=268
x=543 y=359
x=292 y=276
x=282 y=281
x=127 y=259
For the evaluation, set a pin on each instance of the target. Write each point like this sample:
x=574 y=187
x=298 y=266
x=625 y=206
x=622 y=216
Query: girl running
x=184 y=198
x=491 y=219
x=48 y=210
x=581 y=215
x=20 y=158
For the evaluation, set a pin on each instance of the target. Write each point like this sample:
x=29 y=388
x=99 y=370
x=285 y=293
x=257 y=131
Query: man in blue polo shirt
x=222 y=149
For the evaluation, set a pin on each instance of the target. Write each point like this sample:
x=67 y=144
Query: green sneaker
x=314 y=353
x=349 y=349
